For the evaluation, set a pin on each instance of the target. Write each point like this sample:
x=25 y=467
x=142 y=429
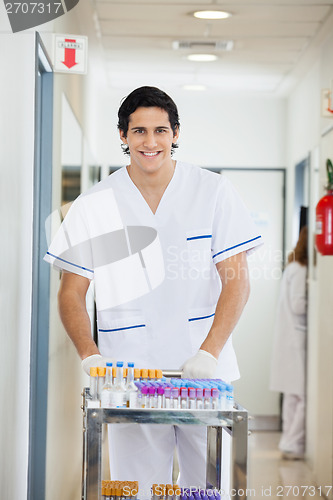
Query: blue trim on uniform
x=202 y=317
x=200 y=237
x=124 y=328
x=235 y=246
x=71 y=263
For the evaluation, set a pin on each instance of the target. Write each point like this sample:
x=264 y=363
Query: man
x=166 y=244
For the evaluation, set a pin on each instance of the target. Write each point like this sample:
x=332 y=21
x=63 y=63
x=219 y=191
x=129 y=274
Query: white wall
x=305 y=127
x=16 y=208
x=217 y=129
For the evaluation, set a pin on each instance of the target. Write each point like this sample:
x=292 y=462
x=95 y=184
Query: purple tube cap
x=167 y=392
x=151 y=390
x=160 y=390
x=144 y=390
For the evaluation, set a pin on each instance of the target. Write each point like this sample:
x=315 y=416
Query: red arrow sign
x=69 y=54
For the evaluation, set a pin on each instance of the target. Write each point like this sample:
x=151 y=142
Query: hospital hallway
x=252 y=83
x=270 y=476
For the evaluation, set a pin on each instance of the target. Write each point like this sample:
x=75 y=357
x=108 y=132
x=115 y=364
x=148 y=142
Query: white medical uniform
x=288 y=361
x=156 y=300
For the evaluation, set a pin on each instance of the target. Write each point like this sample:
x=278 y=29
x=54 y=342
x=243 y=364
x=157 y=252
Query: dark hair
x=300 y=252
x=147 y=97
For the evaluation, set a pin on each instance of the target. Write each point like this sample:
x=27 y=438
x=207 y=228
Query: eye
x=160 y=130
x=139 y=131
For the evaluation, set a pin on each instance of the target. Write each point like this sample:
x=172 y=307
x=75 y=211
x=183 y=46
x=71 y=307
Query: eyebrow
x=145 y=128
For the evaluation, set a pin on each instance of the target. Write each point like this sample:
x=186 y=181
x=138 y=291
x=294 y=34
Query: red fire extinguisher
x=324 y=217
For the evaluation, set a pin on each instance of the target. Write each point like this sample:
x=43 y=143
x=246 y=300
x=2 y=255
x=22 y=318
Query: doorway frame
x=39 y=353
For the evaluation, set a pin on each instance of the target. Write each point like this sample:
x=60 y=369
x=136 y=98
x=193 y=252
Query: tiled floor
x=269 y=476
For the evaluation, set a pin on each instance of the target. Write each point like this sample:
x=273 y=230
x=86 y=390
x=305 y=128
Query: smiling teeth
x=150 y=154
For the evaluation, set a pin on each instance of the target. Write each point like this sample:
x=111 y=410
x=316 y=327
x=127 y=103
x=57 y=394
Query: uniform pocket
x=199 y=248
x=200 y=321
x=124 y=338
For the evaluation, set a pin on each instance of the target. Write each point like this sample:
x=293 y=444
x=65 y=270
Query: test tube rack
x=234 y=422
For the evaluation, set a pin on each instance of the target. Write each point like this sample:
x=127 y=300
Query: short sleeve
x=70 y=249
x=234 y=230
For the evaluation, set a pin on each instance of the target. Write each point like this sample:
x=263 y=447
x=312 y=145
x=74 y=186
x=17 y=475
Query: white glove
x=94 y=360
x=202 y=365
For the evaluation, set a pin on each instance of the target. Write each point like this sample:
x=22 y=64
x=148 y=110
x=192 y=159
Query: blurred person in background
x=289 y=350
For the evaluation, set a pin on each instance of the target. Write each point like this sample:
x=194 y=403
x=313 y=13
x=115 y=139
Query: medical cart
x=235 y=422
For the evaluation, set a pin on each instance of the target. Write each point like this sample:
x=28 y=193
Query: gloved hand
x=93 y=360
x=202 y=365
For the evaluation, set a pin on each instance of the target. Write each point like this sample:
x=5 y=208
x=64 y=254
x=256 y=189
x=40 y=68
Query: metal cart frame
x=234 y=422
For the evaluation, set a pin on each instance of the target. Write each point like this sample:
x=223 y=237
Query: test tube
x=151 y=397
x=144 y=397
x=183 y=398
x=183 y=495
x=199 y=394
x=163 y=491
x=107 y=493
x=176 y=492
x=222 y=396
x=137 y=374
x=144 y=375
x=215 y=398
x=207 y=399
x=191 y=400
x=93 y=382
x=125 y=371
x=101 y=370
x=196 y=495
x=135 y=489
x=174 y=403
x=154 y=492
x=114 y=375
x=169 y=492
x=167 y=397
x=160 y=394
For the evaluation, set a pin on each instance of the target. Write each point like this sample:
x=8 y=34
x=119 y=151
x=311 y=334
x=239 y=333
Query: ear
x=123 y=136
x=176 y=134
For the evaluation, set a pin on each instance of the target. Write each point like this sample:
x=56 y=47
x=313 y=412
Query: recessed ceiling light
x=211 y=14
x=202 y=57
x=194 y=87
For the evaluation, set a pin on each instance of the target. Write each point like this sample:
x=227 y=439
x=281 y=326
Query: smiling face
x=149 y=138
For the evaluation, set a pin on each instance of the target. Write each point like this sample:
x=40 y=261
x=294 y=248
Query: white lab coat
x=156 y=289
x=288 y=361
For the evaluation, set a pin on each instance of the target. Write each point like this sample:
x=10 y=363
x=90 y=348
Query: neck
x=152 y=182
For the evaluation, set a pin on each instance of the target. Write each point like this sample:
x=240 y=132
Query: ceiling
x=271 y=38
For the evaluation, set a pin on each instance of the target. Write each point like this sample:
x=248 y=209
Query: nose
x=150 y=140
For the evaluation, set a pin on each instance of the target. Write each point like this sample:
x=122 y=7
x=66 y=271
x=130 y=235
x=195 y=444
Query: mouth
x=150 y=154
